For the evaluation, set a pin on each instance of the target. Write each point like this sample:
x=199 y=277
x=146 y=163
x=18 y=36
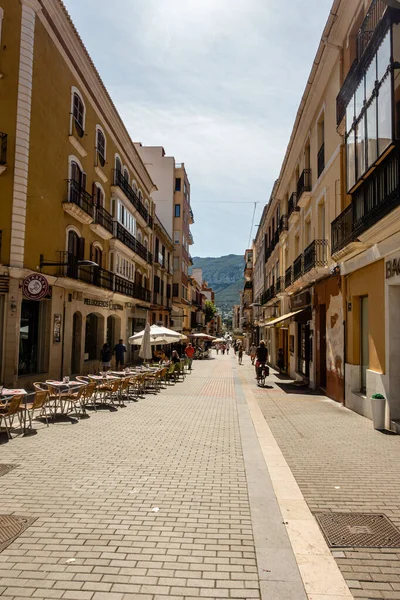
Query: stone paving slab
x=93 y=487
x=340 y=464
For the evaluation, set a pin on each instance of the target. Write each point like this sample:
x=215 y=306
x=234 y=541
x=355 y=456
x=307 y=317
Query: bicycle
x=262 y=373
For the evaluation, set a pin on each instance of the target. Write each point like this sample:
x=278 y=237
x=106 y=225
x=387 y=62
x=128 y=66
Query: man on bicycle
x=262 y=357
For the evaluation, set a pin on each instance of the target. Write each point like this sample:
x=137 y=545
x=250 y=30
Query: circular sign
x=35 y=286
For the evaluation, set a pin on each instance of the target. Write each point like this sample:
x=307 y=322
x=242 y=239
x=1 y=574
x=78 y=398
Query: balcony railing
x=342 y=229
x=190 y=238
x=369 y=37
x=131 y=242
x=3 y=148
x=372 y=200
x=77 y=195
x=298 y=267
x=94 y=276
x=304 y=183
x=102 y=217
x=130 y=193
x=316 y=255
x=129 y=288
x=321 y=159
x=279 y=285
x=368 y=26
x=283 y=223
x=292 y=204
x=288 y=277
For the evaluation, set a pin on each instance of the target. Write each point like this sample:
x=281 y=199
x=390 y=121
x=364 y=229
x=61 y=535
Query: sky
x=217 y=83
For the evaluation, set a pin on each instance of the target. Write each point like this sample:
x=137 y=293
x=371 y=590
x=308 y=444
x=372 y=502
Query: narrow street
x=231 y=520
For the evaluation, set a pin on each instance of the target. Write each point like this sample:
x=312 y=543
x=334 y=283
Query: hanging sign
x=35 y=286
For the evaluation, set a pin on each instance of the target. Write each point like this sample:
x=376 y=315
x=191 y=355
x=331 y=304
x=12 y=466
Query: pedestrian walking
x=119 y=351
x=253 y=351
x=189 y=351
x=227 y=348
x=105 y=357
x=262 y=356
x=281 y=361
x=240 y=354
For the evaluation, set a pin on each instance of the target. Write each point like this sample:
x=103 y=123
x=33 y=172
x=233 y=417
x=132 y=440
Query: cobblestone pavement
x=340 y=464
x=93 y=485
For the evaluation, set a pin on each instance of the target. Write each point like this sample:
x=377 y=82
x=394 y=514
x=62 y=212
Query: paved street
x=226 y=525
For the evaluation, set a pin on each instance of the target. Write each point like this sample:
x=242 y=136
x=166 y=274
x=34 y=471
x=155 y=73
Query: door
x=76 y=343
x=285 y=347
x=322 y=346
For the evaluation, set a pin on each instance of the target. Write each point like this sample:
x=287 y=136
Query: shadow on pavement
x=291 y=388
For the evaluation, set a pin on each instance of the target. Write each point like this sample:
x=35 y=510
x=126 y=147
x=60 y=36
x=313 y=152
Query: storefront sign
x=100 y=303
x=392 y=267
x=57 y=329
x=301 y=300
x=103 y=304
x=35 y=286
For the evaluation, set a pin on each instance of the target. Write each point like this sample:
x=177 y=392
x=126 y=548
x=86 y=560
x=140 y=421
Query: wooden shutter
x=81 y=248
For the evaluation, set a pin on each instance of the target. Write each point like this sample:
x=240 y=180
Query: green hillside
x=225 y=275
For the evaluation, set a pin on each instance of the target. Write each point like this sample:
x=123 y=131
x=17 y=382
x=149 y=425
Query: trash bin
x=378 y=406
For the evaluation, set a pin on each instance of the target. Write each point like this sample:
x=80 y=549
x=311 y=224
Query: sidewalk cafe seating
x=74 y=401
x=41 y=402
x=9 y=408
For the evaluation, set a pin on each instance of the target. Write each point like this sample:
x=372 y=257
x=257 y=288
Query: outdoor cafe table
x=62 y=386
x=12 y=392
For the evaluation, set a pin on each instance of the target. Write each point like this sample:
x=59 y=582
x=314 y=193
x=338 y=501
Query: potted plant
x=378 y=406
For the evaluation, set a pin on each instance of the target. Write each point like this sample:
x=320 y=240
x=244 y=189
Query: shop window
x=364 y=342
x=29 y=337
x=92 y=348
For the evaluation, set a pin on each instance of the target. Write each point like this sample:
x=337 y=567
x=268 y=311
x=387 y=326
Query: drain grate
x=11 y=527
x=358 y=530
x=4 y=469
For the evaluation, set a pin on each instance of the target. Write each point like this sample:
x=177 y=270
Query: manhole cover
x=358 y=530
x=11 y=527
x=4 y=469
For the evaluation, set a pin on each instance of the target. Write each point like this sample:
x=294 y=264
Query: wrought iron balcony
x=94 y=276
x=369 y=37
x=298 y=267
x=377 y=196
x=123 y=184
x=191 y=216
x=283 y=223
x=304 y=183
x=190 y=238
x=315 y=255
x=321 y=159
x=129 y=288
x=80 y=197
x=292 y=205
x=131 y=242
x=342 y=230
x=102 y=217
x=3 y=148
x=288 y=277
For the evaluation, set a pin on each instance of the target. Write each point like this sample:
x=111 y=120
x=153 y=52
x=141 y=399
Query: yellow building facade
x=77 y=216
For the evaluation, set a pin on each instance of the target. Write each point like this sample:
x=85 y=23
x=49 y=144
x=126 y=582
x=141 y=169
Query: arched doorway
x=76 y=343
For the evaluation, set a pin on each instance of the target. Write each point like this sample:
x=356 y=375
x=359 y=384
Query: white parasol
x=202 y=336
x=158 y=335
x=145 y=347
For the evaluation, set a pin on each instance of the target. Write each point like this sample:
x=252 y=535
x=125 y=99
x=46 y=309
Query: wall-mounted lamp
x=79 y=263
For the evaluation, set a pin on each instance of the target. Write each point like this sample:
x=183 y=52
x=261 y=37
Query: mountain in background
x=225 y=275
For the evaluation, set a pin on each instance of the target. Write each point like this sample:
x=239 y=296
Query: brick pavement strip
x=341 y=464
x=92 y=486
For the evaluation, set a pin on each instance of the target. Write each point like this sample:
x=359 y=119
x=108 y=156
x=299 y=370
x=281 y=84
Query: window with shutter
x=79 y=114
x=101 y=147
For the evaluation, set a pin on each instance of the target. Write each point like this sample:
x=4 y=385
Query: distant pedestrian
x=189 y=351
x=281 y=361
x=253 y=351
x=119 y=350
x=105 y=357
x=240 y=354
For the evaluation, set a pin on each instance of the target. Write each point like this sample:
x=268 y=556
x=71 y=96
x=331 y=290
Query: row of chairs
x=49 y=399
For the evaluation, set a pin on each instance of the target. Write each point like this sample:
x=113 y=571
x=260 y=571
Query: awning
x=283 y=317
